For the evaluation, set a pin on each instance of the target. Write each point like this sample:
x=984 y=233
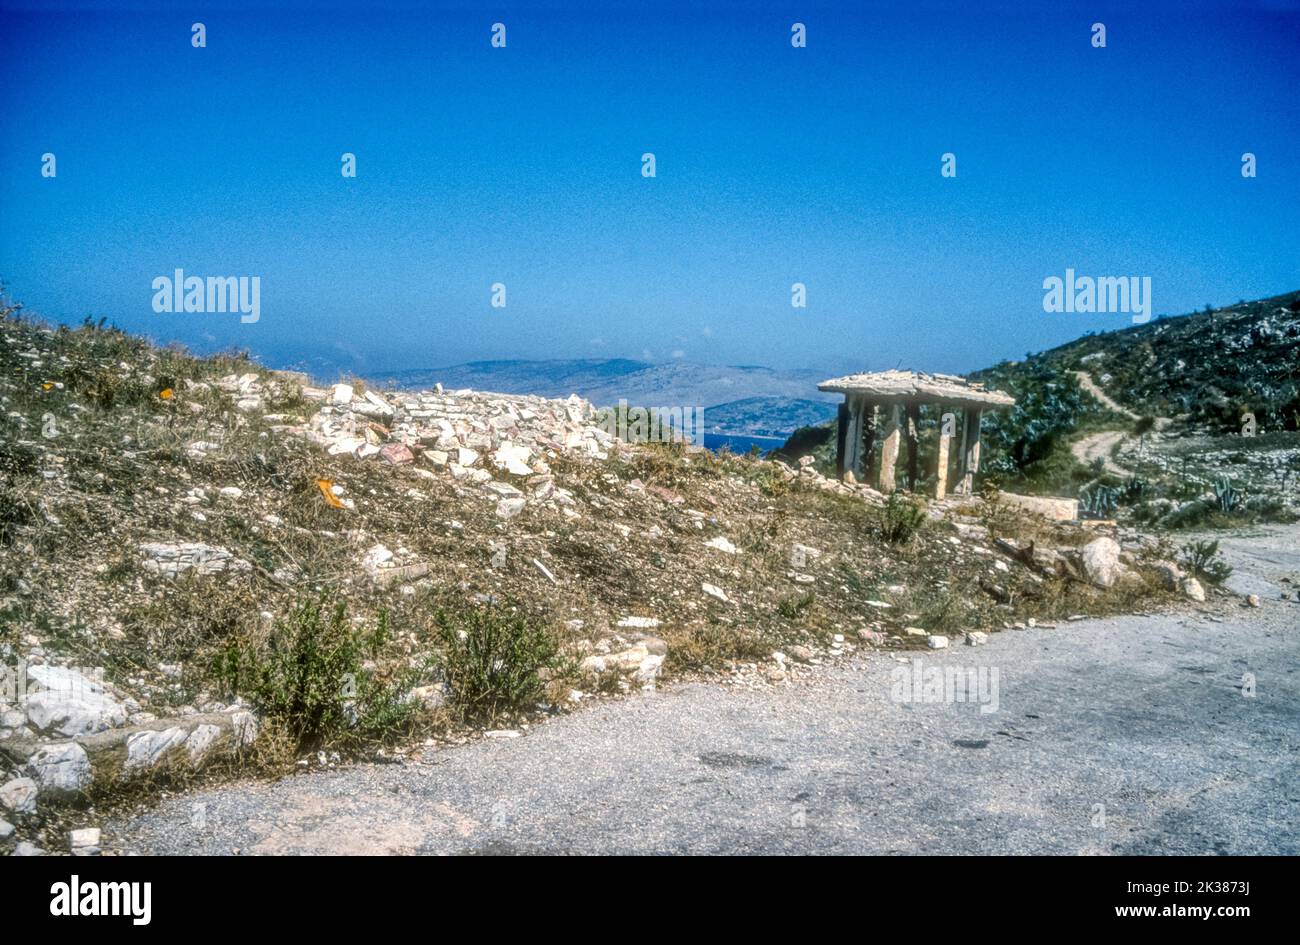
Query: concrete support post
x=970 y=439
x=941 y=463
x=841 y=434
x=913 y=435
x=889 y=448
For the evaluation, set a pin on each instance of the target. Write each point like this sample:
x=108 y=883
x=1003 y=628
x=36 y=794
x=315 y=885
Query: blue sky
x=522 y=165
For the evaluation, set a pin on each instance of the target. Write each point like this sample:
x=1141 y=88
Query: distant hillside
x=543 y=378
x=1207 y=367
x=743 y=399
x=767 y=416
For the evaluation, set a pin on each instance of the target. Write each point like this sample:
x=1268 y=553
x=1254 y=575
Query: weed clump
x=311 y=676
x=1203 y=559
x=495 y=661
x=900 y=519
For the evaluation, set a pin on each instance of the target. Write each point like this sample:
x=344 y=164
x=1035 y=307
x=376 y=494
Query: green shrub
x=495 y=661
x=1204 y=559
x=791 y=607
x=308 y=675
x=771 y=483
x=900 y=518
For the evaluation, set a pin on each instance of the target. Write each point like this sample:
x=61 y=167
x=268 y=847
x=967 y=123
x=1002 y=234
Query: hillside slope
x=1207 y=368
x=189 y=544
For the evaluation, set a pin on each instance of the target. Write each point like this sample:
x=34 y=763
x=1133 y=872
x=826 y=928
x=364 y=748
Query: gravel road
x=1130 y=735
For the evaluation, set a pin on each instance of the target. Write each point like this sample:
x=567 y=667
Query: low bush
x=495 y=661
x=309 y=675
x=900 y=519
x=1203 y=559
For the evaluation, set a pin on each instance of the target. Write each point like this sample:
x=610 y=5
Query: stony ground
x=162 y=514
x=1132 y=735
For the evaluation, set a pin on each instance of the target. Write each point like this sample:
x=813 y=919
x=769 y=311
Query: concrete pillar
x=889 y=448
x=970 y=439
x=941 y=465
x=841 y=433
x=853 y=437
x=913 y=427
x=869 y=411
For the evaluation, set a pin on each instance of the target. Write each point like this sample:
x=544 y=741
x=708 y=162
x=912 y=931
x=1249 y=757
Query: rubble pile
x=463 y=431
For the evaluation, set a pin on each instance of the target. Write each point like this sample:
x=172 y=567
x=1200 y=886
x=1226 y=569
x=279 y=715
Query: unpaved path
x=1103 y=445
x=1129 y=735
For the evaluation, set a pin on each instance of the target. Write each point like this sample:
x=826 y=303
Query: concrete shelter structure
x=888 y=403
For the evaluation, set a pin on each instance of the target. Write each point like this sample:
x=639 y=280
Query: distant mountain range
x=741 y=399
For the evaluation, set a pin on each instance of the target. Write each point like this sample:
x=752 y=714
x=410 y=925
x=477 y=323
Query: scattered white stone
x=376 y=558
x=976 y=638
x=722 y=544
x=937 y=641
x=545 y=571
x=1193 y=590
x=61 y=768
x=1101 y=561
x=800 y=555
x=19 y=796
x=640 y=623
x=84 y=842
x=714 y=591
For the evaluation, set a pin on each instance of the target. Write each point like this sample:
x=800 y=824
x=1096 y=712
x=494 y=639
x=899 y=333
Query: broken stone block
x=509 y=508
x=19 y=796
x=396 y=454
x=513 y=459
x=1169 y=574
x=200 y=741
x=171 y=559
x=60 y=769
x=72 y=713
x=1101 y=562
x=147 y=749
x=84 y=842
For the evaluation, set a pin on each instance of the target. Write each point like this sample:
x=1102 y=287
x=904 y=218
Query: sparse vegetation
x=310 y=673
x=495 y=661
x=900 y=518
x=1204 y=560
